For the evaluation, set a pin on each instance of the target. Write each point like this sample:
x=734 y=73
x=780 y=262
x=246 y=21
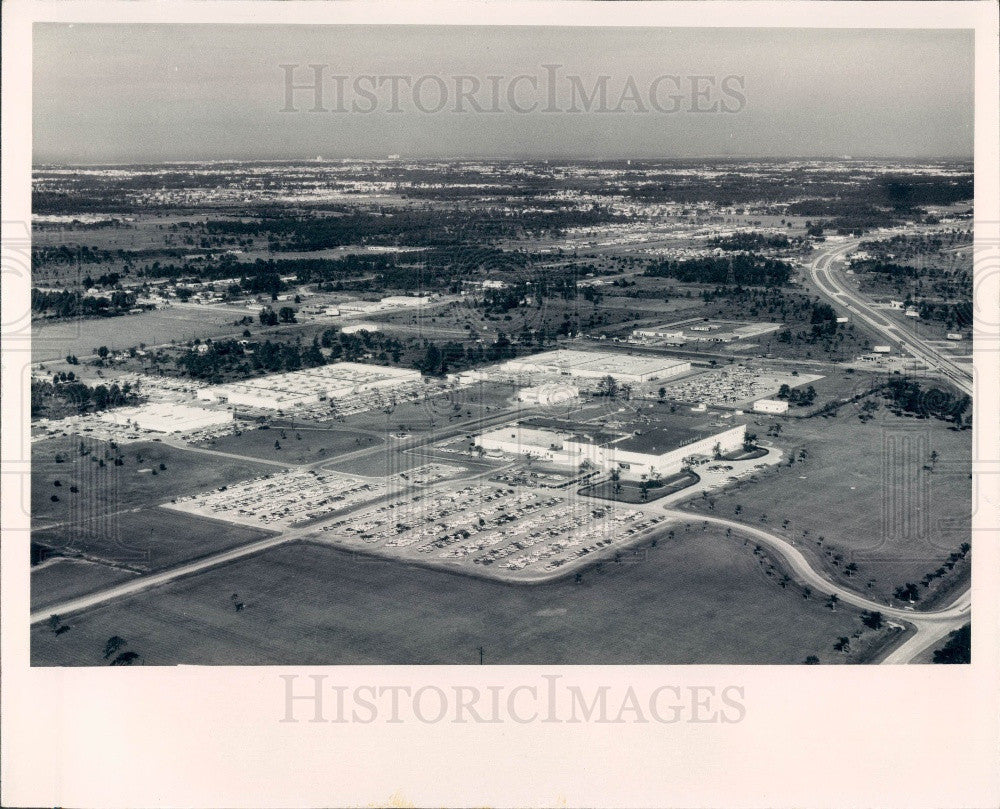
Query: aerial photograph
x=593 y=346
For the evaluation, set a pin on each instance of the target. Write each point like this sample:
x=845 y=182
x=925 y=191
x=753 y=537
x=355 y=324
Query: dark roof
x=658 y=440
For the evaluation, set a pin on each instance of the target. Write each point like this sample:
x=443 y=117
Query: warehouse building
x=166 y=417
x=775 y=406
x=599 y=364
x=658 y=452
x=299 y=388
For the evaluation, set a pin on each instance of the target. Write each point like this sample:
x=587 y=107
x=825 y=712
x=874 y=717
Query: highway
x=829 y=282
x=931 y=627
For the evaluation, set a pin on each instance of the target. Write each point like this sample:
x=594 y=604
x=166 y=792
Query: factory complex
x=297 y=388
x=595 y=365
x=163 y=417
x=646 y=454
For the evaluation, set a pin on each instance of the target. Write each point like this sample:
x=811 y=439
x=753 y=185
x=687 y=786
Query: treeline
x=224 y=357
x=76 y=304
x=906 y=396
x=953 y=315
x=801 y=397
x=751 y=241
x=404 y=226
x=740 y=269
x=66 y=393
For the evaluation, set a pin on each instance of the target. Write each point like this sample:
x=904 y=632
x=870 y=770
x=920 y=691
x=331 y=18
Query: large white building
x=626 y=368
x=659 y=333
x=298 y=388
x=164 y=417
x=652 y=453
x=776 y=406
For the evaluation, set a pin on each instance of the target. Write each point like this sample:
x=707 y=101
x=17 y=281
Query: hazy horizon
x=153 y=94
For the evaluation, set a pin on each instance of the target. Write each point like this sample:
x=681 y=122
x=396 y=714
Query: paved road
x=930 y=626
x=828 y=280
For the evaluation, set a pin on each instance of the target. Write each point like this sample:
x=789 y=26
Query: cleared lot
x=109 y=488
x=148 y=539
x=62 y=579
x=697 y=599
x=864 y=490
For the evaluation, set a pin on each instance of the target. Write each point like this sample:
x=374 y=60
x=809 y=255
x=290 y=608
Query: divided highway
x=828 y=281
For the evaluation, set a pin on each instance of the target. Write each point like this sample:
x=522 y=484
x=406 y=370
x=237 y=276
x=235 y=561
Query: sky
x=151 y=93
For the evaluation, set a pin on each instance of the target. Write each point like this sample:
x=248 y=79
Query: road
x=930 y=626
x=830 y=283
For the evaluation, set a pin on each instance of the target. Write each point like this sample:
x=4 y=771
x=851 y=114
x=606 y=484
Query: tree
x=125 y=659
x=873 y=620
x=268 y=317
x=608 y=387
x=812 y=660
x=287 y=314
x=114 y=644
x=958 y=649
x=907 y=592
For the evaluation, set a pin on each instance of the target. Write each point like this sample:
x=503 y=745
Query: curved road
x=930 y=626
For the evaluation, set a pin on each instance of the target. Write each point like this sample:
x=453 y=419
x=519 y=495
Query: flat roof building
x=599 y=364
x=657 y=452
x=298 y=388
x=776 y=406
x=161 y=417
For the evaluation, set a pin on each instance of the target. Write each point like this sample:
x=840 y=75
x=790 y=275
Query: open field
x=697 y=599
x=298 y=444
x=54 y=340
x=864 y=490
x=62 y=579
x=147 y=539
x=111 y=488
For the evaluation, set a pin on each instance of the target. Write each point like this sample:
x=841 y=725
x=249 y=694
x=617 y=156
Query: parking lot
x=287 y=499
x=492 y=530
x=733 y=386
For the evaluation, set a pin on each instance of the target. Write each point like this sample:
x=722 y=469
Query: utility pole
x=480 y=655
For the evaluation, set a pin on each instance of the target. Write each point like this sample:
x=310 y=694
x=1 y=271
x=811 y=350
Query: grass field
x=147 y=539
x=697 y=599
x=62 y=579
x=299 y=444
x=111 y=488
x=54 y=340
x=863 y=488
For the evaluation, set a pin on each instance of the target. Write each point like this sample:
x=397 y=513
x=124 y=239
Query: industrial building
x=334 y=381
x=664 y=333
x=598 y=364
x=166 y=417
x=656 y=452
x=775 y=406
